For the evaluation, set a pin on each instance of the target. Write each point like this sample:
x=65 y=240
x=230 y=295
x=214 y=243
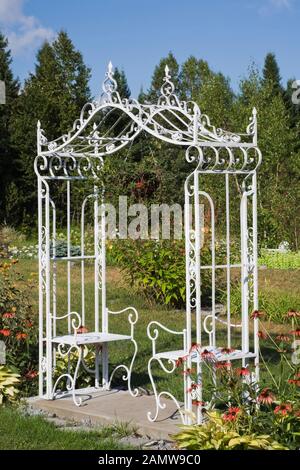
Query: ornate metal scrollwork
x=171 y=119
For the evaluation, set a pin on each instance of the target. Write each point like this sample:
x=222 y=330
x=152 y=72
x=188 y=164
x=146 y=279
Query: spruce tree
x=121 y=79
x=7 y=152
x=271 y=73
x=53 y=94
x=159 y=74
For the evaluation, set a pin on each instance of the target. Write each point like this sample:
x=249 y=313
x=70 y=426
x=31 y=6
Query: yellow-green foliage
x=217 y=434
x=8 y=382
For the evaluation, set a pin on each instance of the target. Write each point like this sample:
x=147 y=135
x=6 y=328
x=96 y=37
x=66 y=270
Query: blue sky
x=135 y=34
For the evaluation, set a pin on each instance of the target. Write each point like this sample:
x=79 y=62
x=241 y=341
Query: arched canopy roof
x=109 y=124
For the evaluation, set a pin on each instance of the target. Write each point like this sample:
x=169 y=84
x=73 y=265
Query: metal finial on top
x=167 y=72
x=109 y=85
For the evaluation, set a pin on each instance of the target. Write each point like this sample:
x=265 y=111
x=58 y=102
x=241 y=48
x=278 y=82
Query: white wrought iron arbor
x=105 y=127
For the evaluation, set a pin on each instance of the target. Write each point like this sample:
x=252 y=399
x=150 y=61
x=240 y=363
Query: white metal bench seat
x=219 y=356
x=89 y=338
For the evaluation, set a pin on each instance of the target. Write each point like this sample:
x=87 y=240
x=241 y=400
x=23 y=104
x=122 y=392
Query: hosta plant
x=9 y=381
x=217 y=434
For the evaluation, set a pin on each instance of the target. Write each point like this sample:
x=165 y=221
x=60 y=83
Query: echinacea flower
x=195 y=347
x=292 y=314
x=179 y=361
x=82 y=329
x=256 y=314
x=8 y=315
x=194 y=386
x=266 y=397
x=207 y=355
x=296 y=332
x=243 y=371
x=198 y=403
x=188 y=371
x=227 y=350
x=139 y=184
x=223 y=365
x=20 y=336
x=31 y=374
x=5 y=332
x=231 y=414
x=283 y=338
x=294 y=382
x=283 y=409
x=262 y=335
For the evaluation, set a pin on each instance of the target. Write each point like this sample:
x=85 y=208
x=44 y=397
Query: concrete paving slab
x=109 y=407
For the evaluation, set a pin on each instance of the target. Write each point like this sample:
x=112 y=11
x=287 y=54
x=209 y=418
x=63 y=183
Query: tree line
x=59 y=86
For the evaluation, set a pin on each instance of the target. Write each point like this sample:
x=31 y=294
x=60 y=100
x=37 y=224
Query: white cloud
x=281 y=3
x=276 y=5
x=24 y=32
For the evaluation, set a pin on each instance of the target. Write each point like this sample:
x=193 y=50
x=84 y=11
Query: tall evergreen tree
x=158 y=76
x=278 y=177
x=7 y=153
x=271 y=73
x=53 y=94
x=193 y=74
x=121 y=79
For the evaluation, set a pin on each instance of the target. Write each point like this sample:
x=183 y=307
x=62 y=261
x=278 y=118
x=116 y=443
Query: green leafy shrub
x=8 y=382
x=218 y=434
x=61 y=249
x=9 y=236
x=157 y=268
x=18 y=327
x=83 y=379
x=277 y=260
x=247 y=414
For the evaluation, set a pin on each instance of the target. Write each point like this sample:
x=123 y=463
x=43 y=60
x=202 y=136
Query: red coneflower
x=292 y=314
x=243 y=371
x=256 y=314
x=231 y=414
x=262 y=335
x=29 y=324
x=198 y=403
x=139 y=184
x=188 y=371
x=8 y=315
x=266 y=397
x=282 y=351
x=296 y=332
x=82 y=329
x=283 y=338
x=31 y=374
x=294 y=382
x=227 y=350
x=179 y=361
x=195 y=347
x=21 y=336
x=223 y=365
x=207 y=355
x=283 y=409
x=5 y=332
x=194 y=386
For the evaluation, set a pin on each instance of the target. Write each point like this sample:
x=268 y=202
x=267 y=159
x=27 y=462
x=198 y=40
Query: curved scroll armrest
x=132 y=317
x=75 y=322
x=153 y=334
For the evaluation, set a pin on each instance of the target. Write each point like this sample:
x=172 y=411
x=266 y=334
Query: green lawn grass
x=120 y=295
x=19 y=432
